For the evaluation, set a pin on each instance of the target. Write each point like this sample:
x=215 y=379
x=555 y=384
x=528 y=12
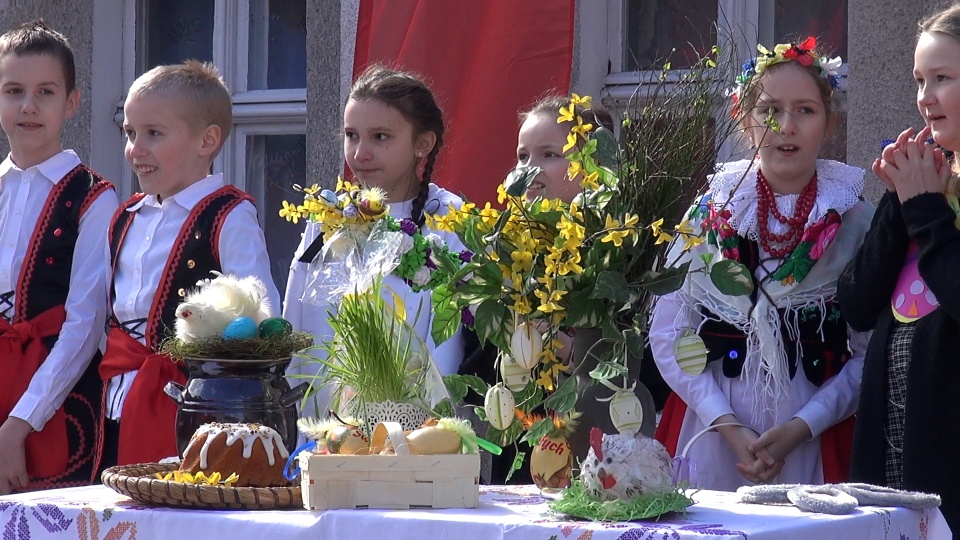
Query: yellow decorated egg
x=499 y=405
x=691 y=353
x=526 y=344
x=515 y=377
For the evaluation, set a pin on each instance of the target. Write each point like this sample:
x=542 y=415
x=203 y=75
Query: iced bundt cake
x=254 y=452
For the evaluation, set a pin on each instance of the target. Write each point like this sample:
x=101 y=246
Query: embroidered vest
x=45 y=275
x=195 y=253
x=822 y=336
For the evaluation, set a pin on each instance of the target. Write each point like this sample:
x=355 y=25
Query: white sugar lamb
x=623 y=466
x=207 y=310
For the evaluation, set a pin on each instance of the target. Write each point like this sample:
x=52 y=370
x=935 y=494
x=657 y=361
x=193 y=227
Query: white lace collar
x=838 y=188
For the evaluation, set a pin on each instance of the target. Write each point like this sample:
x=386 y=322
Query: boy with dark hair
x=54 y=213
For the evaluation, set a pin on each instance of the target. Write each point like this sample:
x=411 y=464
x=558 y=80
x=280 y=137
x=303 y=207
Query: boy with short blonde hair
x=184 y=225
x=54 y=213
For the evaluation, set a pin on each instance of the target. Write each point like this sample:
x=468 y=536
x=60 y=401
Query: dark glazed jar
x=246 y=391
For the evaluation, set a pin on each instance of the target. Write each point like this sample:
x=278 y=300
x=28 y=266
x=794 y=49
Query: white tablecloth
x=505 y=512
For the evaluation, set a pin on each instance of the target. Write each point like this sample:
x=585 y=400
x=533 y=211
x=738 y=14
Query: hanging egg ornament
x=328 y=197
x=515 y=377
x=526 y=345
x=274 y=327
x=499 y=405
x=626 y=412
x=350 y=211
x=240 y=328
x=691 y=353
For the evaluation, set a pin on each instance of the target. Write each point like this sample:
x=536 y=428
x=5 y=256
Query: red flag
x=484 y=62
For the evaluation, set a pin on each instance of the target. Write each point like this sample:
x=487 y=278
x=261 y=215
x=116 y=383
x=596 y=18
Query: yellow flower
x=581 y=129
x=690 y=241
x=575 y=168
x=571 y=141
x=521 y=304
x=545 y=381
x=548 y=301
x=571 y=265
x=566 y=114
x=591 y=181
x=290 y=212
x=659 y=233
x=522 y=261
x=614 y=233
x=501 y=193
x=311 y=189
x=577 y=100
x=684 y=227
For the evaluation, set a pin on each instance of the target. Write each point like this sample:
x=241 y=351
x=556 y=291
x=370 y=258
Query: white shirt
x=23 y=195
x=147 y=246
x=312 y=316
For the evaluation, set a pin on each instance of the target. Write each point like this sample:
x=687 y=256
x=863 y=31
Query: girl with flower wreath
x=769 y=379
x=902 y=284
x=392 y=130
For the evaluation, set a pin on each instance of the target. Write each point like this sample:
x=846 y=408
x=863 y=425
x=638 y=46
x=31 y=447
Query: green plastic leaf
x=664 y=281
x=608 y=150
x=446 y=314
x=607 y=370
x=505 y=437
x=519 y=179
x=537 y=430
x=584 y=312
x=493 y=322
x=516 y=465
x=444 y=409
x=732 y=278
x=613 y=286
x=476 y=384
x=456 y=387
x=635 y=342
x=564 y=398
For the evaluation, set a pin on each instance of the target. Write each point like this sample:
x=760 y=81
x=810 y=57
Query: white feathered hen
x=624 y=466
x=215 y=303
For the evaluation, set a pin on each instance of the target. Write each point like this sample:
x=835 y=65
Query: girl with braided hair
x=392 y=130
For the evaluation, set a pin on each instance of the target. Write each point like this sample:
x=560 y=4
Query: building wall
x=73 y=18
x=882 y=97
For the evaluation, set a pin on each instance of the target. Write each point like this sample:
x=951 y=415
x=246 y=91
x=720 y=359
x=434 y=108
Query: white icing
x=247 y=434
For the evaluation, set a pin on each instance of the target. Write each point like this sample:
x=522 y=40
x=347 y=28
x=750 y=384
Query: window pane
x=274 y=164
x=278 y=44
x=657 y=27
x=177 y=31
x=824 y=19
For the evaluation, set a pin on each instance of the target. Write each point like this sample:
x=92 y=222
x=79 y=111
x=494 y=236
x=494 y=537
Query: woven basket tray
x=139 y=483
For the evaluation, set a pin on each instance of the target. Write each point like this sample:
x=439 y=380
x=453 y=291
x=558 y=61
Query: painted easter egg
x=526 y=345
x=328 y=197
x=499 y=404
x=691 y=353
x=240 y=328
x=626 y=412
x=515 y=377
x=275 y=327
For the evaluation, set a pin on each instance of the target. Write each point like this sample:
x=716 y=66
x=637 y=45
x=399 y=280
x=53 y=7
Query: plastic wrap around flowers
x=362 y=241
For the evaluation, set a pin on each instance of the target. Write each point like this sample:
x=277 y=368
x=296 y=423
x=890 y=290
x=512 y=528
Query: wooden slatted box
x=396 y=481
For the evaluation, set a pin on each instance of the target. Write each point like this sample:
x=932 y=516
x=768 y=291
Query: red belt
x=21 y=353
x=148 y=420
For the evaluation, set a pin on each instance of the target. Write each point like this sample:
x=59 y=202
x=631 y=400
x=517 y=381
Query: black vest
x=195 y=253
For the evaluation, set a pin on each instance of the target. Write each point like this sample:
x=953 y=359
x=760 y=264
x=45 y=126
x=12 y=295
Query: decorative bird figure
x=623 y=466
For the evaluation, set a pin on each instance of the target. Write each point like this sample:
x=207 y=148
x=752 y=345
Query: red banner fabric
x=484 y=61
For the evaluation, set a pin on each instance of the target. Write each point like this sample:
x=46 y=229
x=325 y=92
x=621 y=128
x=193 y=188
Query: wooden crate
x=399 y=481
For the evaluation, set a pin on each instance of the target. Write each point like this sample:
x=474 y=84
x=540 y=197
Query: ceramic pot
x=247 y=391
x=588 y=349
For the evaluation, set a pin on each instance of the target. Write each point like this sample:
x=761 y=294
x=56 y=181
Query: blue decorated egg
x=328 y=197
x=275 y=327
x=240 y=328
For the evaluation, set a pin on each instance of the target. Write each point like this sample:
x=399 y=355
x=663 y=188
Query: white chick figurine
x=215 y=303
x=623 y=466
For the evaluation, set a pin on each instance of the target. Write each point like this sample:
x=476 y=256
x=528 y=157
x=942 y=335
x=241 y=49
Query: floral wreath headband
x=803 y=54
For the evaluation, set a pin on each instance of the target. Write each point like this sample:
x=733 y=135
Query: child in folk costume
x=54 y=212
x=392 y=126
x=902 y=284
x=184 y=225
x=782 y=373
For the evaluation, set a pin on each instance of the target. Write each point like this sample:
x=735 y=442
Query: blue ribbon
x=309 y=445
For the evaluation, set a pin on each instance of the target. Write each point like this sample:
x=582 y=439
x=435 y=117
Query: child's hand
x=774 y=445
x=13 y=466
x=739 y=439
x=917 y=167
x=887 y=156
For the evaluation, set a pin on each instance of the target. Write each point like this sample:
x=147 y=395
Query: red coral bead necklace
x=767 y=207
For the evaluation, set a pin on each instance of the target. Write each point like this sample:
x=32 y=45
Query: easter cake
x=254 y=452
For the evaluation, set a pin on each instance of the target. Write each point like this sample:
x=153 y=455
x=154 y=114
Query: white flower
x=406 y=243
x=422 y=277
x=831 y=65
x=434 y=240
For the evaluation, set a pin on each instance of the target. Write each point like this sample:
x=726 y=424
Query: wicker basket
x=139 y=483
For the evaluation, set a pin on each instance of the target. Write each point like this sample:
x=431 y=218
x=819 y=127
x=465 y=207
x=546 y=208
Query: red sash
x=836 y=443
x=148 y=420
x=21 y=353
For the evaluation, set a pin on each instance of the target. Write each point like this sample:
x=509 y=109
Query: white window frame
x=255 y=112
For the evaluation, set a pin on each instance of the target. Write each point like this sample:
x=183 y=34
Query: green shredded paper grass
x=238 y=349
x=575 y=501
